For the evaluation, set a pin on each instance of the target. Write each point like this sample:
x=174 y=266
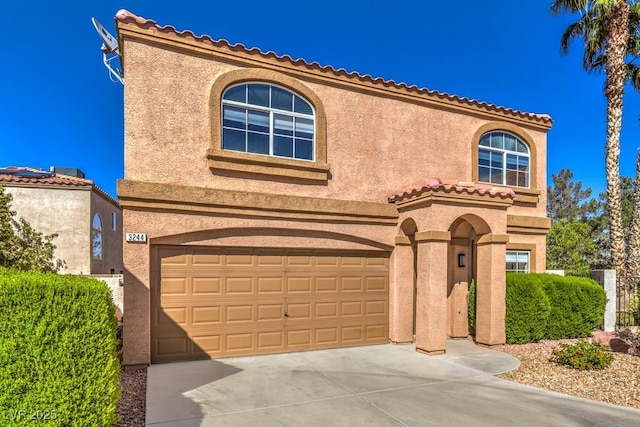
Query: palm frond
x=572 y=6
x=599 y=63
x=573 y=31
x=633 y=76
x=592 y=29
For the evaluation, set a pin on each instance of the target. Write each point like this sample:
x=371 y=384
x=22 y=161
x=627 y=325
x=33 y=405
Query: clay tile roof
x=26 y=175
x=455 y=186
x=126 y=17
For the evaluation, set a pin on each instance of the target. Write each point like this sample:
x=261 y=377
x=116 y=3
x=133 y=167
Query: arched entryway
x=462 y=269
x=444 y=240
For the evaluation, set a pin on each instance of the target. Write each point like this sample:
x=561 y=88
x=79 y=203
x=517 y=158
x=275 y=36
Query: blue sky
x=60 y=108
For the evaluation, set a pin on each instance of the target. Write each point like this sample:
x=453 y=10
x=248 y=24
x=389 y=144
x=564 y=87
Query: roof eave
x=137 y=28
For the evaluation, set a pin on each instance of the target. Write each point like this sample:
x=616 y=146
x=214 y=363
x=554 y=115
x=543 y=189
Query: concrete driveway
x=382 y=385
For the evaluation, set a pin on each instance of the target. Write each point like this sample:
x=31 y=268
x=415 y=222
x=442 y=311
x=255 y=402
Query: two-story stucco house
x=87 y=220
x=290 y=206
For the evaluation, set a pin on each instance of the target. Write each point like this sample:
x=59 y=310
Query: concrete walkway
x=382 y=385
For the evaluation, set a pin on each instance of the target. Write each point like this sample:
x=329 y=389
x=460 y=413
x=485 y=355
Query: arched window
x=266 y=119
x=503 y=159
x=96 y=237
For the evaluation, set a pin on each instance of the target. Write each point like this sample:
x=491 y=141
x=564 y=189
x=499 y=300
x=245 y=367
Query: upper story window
x=96 y=237
x=503 y=159
x=267 y=119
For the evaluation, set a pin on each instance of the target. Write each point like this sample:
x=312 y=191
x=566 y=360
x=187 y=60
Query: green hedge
x=577 y=306
x=57 y=351
x=528 y=309
x=552 y=307
x=471 y=306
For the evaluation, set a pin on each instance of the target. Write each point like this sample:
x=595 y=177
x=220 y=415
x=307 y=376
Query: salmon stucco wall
x=379 y=141
x=535 y=244
x=173 y=228
x=371 y=138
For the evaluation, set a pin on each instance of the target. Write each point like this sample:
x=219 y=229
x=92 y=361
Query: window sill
x=222 y=160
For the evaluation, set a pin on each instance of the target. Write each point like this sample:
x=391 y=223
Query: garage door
x=221 y=302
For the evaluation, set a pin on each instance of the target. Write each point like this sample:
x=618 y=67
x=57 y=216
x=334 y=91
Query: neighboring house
x=289 y=206
x=87 y=220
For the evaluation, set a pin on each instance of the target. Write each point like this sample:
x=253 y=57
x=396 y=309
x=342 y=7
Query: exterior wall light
x=461 y=259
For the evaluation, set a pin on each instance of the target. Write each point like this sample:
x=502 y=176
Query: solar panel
x=26 y=173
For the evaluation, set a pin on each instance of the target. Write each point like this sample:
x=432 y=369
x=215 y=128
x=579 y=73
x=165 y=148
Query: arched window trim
x=520 y=161
x=274 y=133
x=523 y=195
x=97 y=237
x=226 y=162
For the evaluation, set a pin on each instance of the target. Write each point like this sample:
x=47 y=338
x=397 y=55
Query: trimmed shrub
x=577 y=306
x=528 y=309
x=471 y=305
x=57 y=350
x=571 y=307
x=582 y=355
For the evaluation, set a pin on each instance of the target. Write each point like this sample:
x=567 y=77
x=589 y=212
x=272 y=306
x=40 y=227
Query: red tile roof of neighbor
x=26 y=175
x=455 y=186
x=127 y=17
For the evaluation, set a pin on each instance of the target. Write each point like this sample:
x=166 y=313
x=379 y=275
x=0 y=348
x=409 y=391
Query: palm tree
x=633 y=77
x=604 y=29
x=633 y=260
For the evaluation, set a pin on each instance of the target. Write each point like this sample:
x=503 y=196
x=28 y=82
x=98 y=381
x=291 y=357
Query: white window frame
x=272 y=112
x=504 y=152
x=519 y=253
x=114 y=221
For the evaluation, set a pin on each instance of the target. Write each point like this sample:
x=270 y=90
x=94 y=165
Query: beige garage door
x=221 y=302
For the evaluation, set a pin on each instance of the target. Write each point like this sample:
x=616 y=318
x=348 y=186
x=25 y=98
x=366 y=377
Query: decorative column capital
x=403 y=241
x=493 y=239
x=433 y=236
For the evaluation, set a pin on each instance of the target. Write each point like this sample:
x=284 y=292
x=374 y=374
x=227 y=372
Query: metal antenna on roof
x=109 y=46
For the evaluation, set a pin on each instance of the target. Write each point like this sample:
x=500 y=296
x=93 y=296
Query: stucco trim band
x=526 y=196
x=490 y=239
x=528 y=224
x=434 y=196
x=147 y=195
x=403 y=241
x=265 y=165
x=433 y=236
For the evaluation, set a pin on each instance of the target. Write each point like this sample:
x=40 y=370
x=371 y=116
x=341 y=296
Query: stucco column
x=491 y=289
x=431 y=304
x=136 y=346
x=401 y=292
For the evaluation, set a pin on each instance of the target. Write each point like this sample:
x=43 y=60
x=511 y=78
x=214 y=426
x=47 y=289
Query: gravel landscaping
x=131 y=407
x=618 y=384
